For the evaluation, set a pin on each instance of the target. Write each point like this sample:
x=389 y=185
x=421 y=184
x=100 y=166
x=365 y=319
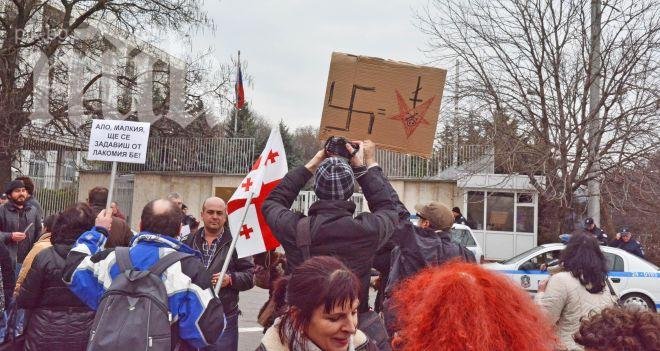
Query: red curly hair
x=461 y=306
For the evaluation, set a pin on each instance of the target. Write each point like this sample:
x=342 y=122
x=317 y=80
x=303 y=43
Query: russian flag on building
x=238 y=87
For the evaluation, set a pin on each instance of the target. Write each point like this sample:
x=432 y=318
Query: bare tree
x=30 y=27
x=630 y=199
x=527 y=64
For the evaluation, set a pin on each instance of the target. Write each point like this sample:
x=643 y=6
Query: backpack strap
x=611 y=288
x=123 y=259
x=171 y=258
x=304 y=236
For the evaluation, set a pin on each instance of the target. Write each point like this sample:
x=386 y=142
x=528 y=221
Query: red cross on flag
x=254 y=235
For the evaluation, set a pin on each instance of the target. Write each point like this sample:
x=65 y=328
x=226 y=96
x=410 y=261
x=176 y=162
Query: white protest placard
x=118 y=141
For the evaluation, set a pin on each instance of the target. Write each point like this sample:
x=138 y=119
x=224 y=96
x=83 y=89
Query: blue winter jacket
x=199 y=314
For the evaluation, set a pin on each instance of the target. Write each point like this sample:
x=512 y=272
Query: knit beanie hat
x=334 y=179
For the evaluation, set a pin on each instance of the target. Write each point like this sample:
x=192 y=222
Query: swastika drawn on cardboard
x=395 y=104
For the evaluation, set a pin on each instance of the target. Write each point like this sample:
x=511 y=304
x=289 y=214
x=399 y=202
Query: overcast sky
x=287 y=45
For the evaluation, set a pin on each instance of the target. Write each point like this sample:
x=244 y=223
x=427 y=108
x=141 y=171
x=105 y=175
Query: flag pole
x=236 y=97
x=113 y=175
x=232 y=247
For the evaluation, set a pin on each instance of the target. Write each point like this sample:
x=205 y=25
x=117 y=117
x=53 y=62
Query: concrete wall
x=414 y=192
x=87 y=181
x=193 y=189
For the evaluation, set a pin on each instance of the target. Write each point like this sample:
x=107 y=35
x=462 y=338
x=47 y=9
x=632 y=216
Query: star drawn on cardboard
x=411 y=117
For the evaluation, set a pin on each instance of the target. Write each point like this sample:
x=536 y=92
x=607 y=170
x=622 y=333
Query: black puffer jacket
x=334 y=231
x=58 y=319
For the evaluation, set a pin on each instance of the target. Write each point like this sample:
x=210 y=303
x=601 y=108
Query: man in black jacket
x=213 y=241
x=334 y=231
x=624 y=241
x=417 y=247
x=598 y=233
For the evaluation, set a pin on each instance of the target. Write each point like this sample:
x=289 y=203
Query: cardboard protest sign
x=119 y=141
x=394 y=104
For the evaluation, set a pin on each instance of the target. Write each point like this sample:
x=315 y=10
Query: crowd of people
x=83 y=280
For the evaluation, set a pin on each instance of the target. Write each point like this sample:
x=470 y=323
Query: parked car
x=462 y=234
x=635 y=280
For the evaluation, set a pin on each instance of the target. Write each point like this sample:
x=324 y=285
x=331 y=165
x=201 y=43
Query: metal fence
x=397 y=165
x=228 y=156
x=54 y=161
x=305 y=199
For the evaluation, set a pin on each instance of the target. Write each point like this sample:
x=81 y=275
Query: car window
x=540 y=261
x=463 y=237
x=518 y=257
x=614 y=262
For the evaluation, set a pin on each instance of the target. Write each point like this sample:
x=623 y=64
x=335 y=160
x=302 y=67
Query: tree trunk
x=5 y=166
x=606 y=219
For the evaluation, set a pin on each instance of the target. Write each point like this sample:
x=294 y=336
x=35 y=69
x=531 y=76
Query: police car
x=462 y=234
x=635 y=280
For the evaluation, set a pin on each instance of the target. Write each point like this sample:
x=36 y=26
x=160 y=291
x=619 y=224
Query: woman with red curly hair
x=461 y=306
x=622 y=330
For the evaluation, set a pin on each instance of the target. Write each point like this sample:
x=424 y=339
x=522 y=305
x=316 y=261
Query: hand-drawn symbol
x=351 y=108
x=411 y=118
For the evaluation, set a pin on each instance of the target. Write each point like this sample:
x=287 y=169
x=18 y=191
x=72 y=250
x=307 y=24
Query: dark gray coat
x=14 y=219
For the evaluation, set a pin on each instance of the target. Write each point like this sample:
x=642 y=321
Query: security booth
x=502 y=210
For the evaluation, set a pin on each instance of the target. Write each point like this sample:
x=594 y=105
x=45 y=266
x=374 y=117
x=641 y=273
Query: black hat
x=625 y=231
x=14 y=184
x=456 y=209
x=588 y=221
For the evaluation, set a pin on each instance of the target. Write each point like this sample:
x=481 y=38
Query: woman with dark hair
x=577 y=291
x=461 y=306
x=620 y=329
x=58 y=319
x=321 y=310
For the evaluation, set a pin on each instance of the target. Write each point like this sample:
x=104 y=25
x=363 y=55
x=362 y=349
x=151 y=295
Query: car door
x=534 y=269
x=616 y=268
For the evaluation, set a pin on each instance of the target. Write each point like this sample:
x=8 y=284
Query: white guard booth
x=502 y=210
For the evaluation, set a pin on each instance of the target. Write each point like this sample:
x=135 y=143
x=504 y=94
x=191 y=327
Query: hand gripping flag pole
x=232 y=247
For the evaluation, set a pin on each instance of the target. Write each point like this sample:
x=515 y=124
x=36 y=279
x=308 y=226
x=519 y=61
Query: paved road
x=250 y=331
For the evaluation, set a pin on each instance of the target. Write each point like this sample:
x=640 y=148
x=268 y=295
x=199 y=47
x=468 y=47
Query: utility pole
x=593 y=207
x=456 y=132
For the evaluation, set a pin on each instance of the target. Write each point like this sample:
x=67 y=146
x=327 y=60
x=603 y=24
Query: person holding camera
x=330 y=228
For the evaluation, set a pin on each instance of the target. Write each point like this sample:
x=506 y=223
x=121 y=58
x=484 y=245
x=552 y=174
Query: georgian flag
x=254 y=235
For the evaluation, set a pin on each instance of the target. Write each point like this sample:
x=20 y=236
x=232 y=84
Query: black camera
x=336 y=146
